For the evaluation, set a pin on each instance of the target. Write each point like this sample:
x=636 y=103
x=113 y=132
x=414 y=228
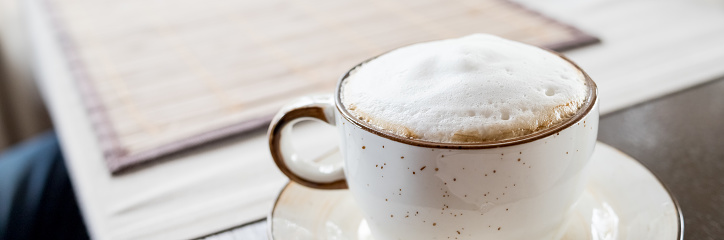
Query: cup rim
x=586 y=108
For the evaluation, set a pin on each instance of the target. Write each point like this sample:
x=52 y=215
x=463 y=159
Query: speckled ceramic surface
x=520 y=188
x=622 y=201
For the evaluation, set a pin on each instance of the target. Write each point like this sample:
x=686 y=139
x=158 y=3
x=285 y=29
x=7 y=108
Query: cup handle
x=307 y=173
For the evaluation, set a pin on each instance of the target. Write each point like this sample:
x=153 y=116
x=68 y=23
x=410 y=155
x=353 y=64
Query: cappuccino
x=472 y=89
x=443 y=95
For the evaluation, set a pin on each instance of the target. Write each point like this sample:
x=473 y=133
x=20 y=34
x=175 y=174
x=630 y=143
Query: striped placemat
x=158 y=77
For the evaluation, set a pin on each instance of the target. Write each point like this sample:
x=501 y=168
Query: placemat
x=158 y=77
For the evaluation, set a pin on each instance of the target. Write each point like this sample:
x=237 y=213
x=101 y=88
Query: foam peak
x=476 y=88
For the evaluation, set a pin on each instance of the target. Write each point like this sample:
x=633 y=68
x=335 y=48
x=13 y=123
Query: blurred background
x=154 y=113
x=22 y=112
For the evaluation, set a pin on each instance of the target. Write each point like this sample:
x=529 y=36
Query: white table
x=650 y=48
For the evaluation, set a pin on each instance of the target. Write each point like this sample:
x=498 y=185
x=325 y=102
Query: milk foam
x=472 y=89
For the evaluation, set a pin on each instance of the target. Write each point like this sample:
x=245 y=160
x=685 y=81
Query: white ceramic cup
x=519 y=188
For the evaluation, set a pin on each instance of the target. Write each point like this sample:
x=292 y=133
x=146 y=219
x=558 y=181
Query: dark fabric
x=36 y=196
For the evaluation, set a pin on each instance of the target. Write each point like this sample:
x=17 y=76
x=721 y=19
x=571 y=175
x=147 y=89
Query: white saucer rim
x=269 y=218
x=679 y=214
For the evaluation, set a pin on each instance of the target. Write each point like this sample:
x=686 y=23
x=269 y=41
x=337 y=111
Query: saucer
x=622 y=200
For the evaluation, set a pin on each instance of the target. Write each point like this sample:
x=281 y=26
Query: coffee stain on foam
x=383 y=125
x=490 y=132
x=502 y=131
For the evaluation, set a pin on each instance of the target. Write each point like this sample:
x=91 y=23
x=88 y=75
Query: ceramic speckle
x=622 y=200
x=467 y=185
